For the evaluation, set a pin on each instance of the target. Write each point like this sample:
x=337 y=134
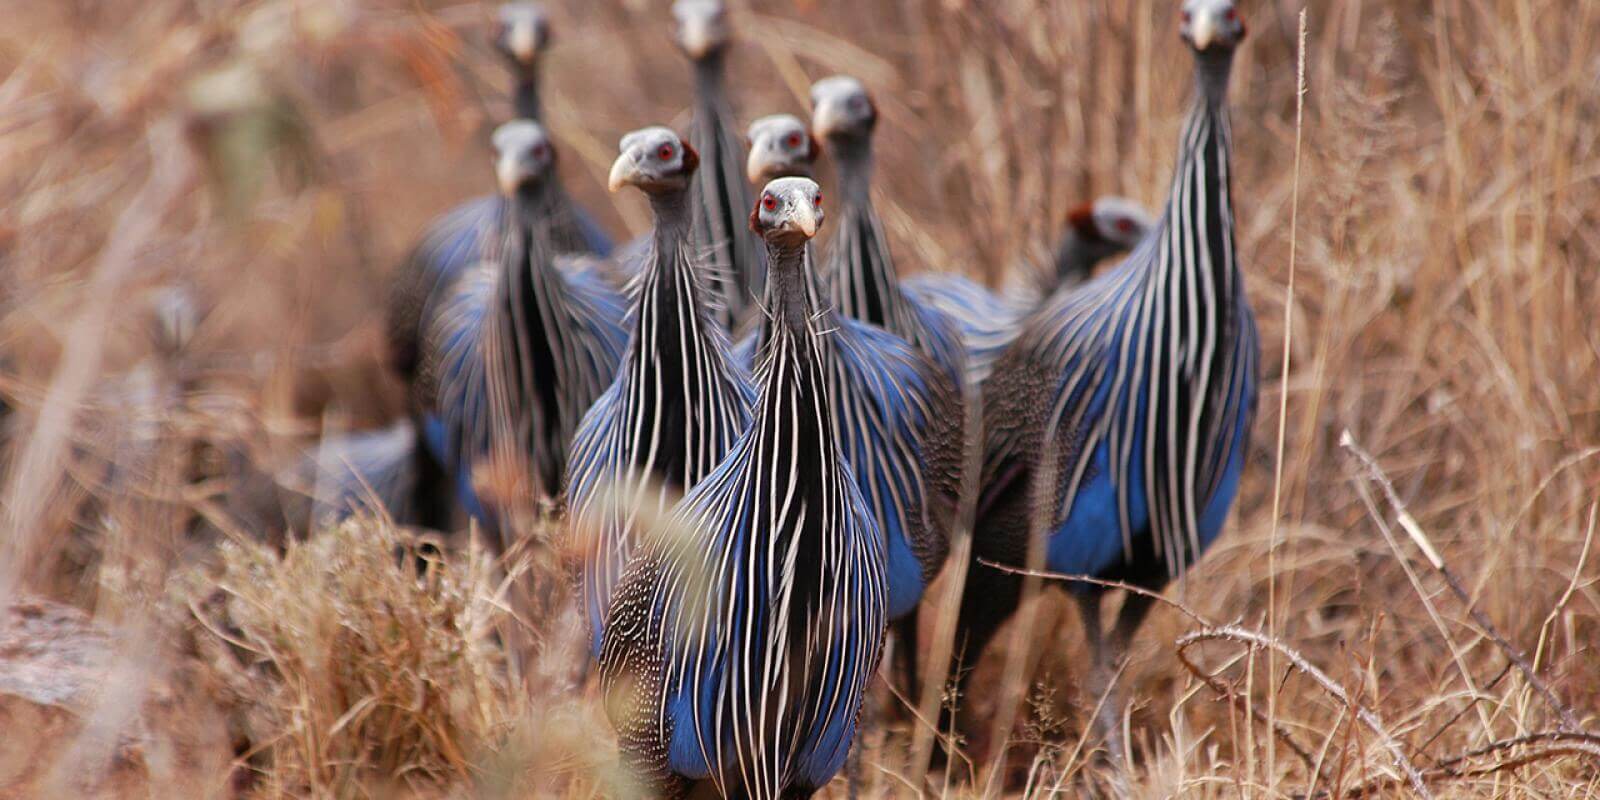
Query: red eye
x=793 y=140
x=817 y=200
x=665 y=153
x=540 y=151
x=1125 y=225
x=1185 y=17
x=1231 y=15
x=769 y=202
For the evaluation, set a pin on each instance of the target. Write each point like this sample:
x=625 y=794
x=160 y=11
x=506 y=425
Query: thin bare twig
x=1212 y=681
x=1255 y=639
x=1283 y=377
x=1546 y=744
x=1569 y=722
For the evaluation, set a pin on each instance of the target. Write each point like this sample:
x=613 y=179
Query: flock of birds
x=760 y=443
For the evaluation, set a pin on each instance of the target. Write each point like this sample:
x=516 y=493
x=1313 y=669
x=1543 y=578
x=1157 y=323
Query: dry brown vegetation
x=274 y=157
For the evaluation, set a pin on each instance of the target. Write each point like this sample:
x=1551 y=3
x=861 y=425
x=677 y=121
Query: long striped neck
x=677 y=369
x=1075 y=258
x=722 y=193
x=861 y=273
x=1200 y=345
x=1198 y=269
x=525 y=94
x=530 y=335
x=793 y=418
x=710 y=85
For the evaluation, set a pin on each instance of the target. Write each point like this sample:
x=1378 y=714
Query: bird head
x=841 y=108
x=655 y=160
x=521 y=32
x=524 y=156
x=780 y=147
x=1116 y=222
x=1211 y=24
x=702 y=27
x=790 y=210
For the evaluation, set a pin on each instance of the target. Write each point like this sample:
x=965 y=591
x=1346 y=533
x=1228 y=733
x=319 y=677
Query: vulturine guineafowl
x=522 y=346
x=1108 y=227
x=456 y=241
x=898 y=419
x=741 y=641
x=678 y=402
x=860 y=274
x=1121 y=414
x=720 y=191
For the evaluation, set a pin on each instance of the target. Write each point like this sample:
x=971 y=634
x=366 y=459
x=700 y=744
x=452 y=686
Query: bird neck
x=526 y=329
x=853 y=158
x=672 y=298
x=862 y=279
x=710 y=83
x=1197 y=266
x=525 y=100
x=540 y=204
x=1213 y=69
x=673 y=215
x=1075 y=258
x=792 y=410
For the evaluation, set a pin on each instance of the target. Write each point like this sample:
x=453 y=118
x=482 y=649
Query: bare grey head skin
x=843 y=118
x=1094 y=232
x=788 y=214
x=521 y=34
x=1214 y=29
x=780 y=147
x=701 y=31
x=658 y=162
x=525 y=160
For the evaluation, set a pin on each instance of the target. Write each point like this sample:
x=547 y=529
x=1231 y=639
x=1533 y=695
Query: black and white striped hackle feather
x=990 y=319
x=742 y=639
x=678 y=402
x=520 y=348
x=459 y=239
x=720 y=194
x=859 y=270
x=1139 y=388
x=899 y=422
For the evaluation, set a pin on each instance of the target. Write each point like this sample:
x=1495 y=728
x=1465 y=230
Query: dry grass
x=275 y=156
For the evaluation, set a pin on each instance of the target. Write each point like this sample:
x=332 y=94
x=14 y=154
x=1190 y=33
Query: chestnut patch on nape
x=1081 y=218
x=755 y=219
x=691 y=159
x=812 y=148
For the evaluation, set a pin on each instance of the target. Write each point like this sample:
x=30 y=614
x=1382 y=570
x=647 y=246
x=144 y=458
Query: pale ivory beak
x=522 y=41
x=1203 y=30
x=622 y=170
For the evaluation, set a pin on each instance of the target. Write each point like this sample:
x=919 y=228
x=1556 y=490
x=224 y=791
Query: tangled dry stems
x=1441 y=312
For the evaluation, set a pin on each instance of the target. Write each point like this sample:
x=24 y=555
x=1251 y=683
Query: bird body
x=677 y=403
x=521 y=347
x=719 y=193
x=989 y=320
x=738 y=652
x=899 y=422
x=1119 y=417
x=466 y=235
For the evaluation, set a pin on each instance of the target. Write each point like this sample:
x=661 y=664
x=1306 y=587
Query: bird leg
x=1135 y=607
x=905 y=653
x=1102 y=671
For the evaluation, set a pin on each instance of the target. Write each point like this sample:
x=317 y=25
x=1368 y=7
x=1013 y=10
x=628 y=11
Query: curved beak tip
x=523 y=42
x=621 y=172
x=809 y=223
x=508 y=175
